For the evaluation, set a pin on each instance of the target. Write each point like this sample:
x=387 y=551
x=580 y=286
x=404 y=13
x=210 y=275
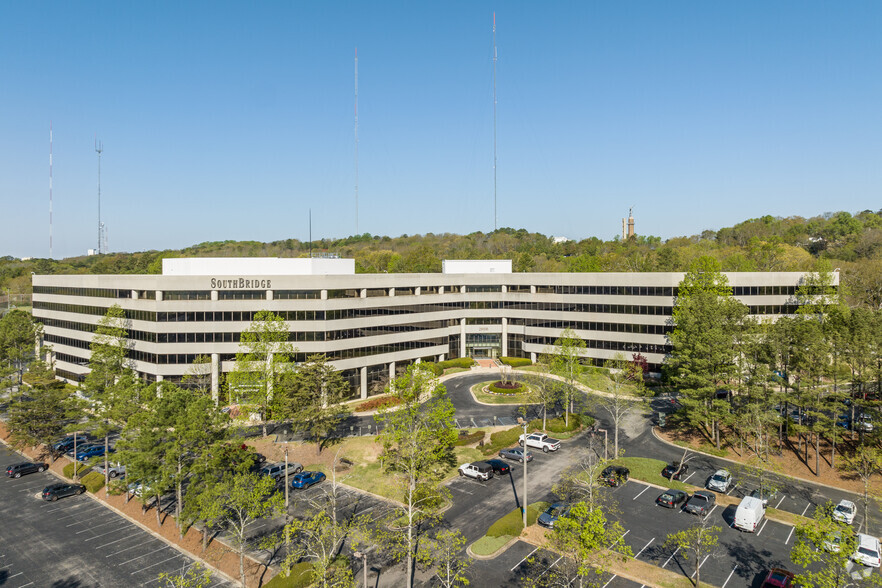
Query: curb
x=108 y=506
x=733 y=461
x=496 y=553
x=472 y=393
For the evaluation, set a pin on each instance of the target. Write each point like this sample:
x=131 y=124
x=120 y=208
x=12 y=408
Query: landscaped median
x=504 y=531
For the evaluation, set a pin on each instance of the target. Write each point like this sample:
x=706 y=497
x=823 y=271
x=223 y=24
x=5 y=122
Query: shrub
x=469 y=438
x=93 y=481
x=508 y=389
x=378 y=403
x=515 y=361
x=68 y=470
x=460 y=362
x=502 y=439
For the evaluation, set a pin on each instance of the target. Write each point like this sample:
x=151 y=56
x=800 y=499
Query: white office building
x=369 y=325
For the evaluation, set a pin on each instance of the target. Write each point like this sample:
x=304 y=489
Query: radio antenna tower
x=50 y=189
x=99 y=147
x=495 y=217
x=356 y=141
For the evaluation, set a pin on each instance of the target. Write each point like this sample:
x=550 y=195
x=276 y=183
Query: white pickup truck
x=540 y=441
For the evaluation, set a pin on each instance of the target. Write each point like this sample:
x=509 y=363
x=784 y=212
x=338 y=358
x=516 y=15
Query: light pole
x=605 y=443
x=286 y=478
x=363 y=557
x=525 y=472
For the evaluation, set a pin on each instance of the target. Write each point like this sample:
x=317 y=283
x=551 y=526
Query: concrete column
x=364 y=389
x=440 y=357
x=363 y=293
x=134 y=294
x=532 y=289
x=462 y=289
x=159 y=295
x=504 y=289
x=533 y=356
x=417 y=291
x=324 y=295
x=462 y=337
x=504 y=337
x=214 y=295
x=391 y=291
x=215 y=377
x=391 y=372
x=269 y=294
x=441 y=290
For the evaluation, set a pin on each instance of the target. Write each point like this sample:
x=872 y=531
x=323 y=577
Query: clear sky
x=229 y=120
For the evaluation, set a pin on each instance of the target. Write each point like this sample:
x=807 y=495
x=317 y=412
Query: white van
x=749 y=514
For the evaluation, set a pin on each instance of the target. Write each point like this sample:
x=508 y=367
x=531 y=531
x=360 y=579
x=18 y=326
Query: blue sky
x=229 y=120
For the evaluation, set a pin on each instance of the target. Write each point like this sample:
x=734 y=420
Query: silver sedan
x=515 y=453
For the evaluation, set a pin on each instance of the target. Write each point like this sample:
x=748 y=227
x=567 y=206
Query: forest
x=850 y=242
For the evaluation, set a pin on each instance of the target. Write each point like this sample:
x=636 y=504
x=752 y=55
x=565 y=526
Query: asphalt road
x=75 y=542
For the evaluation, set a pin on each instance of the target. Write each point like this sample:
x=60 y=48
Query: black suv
x=55 y=491
x=25 y=467
x=675 y=470
x=615 y=475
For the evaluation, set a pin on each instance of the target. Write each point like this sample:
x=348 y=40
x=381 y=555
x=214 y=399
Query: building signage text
x=219 y=284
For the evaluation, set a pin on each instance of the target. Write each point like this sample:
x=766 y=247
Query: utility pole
x=495 y=217
x=526 y=452
x=286 y=479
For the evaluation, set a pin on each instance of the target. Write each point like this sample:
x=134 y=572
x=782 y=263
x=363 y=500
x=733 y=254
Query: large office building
x=369 y=325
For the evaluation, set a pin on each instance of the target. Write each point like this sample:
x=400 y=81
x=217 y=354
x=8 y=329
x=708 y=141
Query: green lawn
x=481 y=396
x=594 y=380
x=649 y=470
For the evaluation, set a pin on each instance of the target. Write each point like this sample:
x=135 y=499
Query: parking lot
x=75 y=541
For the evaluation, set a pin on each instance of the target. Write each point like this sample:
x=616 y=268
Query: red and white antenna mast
x=50 y=189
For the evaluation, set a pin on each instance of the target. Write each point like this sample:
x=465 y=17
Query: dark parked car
x=516 y=453
x=499 y=466
x=552 y=513
x=671 y=470
x=615 y=475
x=672 y=498
x=90 y=451
x=25 y=467
x=55 y=491
x=66 y=444
x=701 y=503
x=277 y=470
x=306 y=479
x=778 y=578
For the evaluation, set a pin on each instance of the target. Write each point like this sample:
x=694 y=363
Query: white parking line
x=670 y=558
x=779 y=502
x=122 y=563
x=789 y=535
x=713 y=509
x=112 y=542
x=641 y=492
x=14 y=575
x=610 y=580
x=127 y=548
x=622 y=537
x=110 y=522
x=731 y=489
x=763 y=527
x=730 y=576
x=139 y=570
x=806 y=508
x=525 y=559
x=551 y=566
x=689 y=476
x=644 y=547
x=699 y=566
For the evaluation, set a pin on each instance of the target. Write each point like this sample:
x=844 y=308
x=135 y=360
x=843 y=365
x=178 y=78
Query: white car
x=480 y=470
x=844 y=512
x=867 y=551
x=721 y=481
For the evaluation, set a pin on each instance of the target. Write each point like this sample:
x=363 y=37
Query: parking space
x=75 y=541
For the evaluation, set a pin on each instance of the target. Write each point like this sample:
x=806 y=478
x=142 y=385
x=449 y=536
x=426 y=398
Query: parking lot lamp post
x=605 y=444
x=286 y=476
x=75 y=468
x=363 y=557
x=526 y=452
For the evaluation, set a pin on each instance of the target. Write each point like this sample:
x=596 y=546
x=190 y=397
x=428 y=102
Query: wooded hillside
x=852 y=243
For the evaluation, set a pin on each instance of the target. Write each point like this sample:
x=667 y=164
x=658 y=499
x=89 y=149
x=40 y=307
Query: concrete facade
x=369 y=325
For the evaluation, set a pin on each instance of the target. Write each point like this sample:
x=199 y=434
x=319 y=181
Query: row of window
x=606 y=327
x=407 y=290
x=624 y=346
